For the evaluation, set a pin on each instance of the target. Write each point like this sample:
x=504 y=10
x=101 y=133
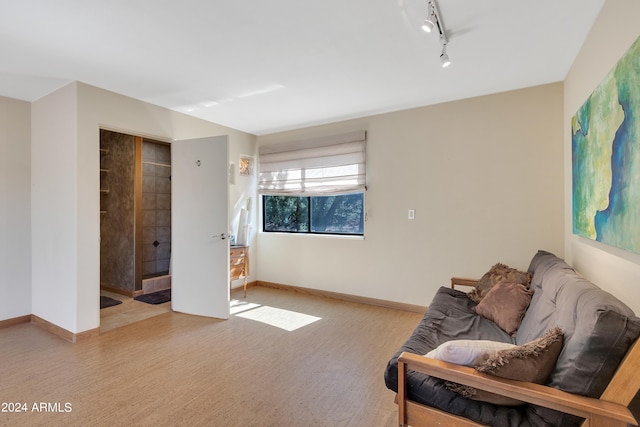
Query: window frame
x=310 y=232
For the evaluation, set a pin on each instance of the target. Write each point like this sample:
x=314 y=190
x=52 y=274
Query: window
x=314 y=186
x=338 y=214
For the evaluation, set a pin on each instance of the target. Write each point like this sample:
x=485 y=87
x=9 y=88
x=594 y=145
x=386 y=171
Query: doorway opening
x=135 y=223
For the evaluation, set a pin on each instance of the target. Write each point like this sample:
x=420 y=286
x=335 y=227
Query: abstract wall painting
x=605 y=134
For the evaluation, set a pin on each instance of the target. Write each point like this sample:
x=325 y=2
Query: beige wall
x=488 y=177
x=15 y=208
x=66 y=253
x=613 y=33
x=484 y=176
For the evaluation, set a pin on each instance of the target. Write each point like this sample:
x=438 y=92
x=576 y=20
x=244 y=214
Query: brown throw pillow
x=532 y=362
x=505 y=305
x=496 y=274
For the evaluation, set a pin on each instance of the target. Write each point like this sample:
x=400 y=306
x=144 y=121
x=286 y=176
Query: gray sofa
x=598 y=331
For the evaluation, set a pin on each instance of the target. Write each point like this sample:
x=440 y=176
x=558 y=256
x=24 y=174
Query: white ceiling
x=265 y=66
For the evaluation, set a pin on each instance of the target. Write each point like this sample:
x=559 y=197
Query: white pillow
x=464 y=352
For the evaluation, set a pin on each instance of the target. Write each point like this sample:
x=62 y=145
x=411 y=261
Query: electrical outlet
x=412 y=214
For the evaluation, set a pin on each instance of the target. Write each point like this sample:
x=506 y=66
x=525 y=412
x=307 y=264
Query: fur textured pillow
x=505 y=305
x=531 y=362
x=496 y=274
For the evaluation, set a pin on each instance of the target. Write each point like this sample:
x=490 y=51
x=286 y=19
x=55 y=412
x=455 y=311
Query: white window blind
x=322 y=166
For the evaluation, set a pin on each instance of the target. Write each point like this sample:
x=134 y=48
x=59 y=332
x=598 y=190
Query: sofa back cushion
x=598 y=328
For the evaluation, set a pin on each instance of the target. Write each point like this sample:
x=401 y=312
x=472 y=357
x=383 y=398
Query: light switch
x=412 y=214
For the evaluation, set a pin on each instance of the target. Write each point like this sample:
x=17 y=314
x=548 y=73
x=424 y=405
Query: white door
x=200 y=246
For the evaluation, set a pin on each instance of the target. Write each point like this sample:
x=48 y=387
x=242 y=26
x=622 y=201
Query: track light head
x=444 y=58
x=428 y=25
x=430 y=22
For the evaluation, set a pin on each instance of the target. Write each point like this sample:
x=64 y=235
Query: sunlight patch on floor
x=236 y=306
x=278 y=317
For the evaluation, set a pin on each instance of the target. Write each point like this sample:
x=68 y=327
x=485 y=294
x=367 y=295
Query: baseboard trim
x=119 y=291
x=63 y=333
x=15 y=321
x=345 y=297
x=241 y=287
x=75 y=337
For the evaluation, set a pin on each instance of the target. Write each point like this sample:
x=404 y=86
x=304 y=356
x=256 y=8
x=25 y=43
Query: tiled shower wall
x=156 y=208
x=117 y=243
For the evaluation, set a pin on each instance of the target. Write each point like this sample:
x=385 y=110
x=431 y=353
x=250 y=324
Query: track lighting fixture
x=434 y=22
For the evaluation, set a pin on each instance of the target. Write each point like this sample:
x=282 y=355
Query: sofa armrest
x=597 y=412
x=462 y=281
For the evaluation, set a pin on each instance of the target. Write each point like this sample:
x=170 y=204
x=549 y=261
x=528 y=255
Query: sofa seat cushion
x=450 y=316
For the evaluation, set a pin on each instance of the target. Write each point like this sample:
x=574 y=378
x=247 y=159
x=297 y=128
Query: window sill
x=313 y=236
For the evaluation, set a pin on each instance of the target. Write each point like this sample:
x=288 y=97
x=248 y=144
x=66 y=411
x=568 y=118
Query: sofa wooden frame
x=608 y=411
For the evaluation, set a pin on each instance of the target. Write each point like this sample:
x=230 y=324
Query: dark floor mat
x=108 y=302
x=155 y=297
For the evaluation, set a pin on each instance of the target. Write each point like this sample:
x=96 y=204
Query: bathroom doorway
x=135 y=222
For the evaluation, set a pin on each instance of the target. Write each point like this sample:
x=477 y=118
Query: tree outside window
x=340 y=214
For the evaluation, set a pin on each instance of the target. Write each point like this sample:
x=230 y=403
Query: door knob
x=221 y=236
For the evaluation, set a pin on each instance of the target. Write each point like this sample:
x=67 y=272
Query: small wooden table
x=239 y=264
